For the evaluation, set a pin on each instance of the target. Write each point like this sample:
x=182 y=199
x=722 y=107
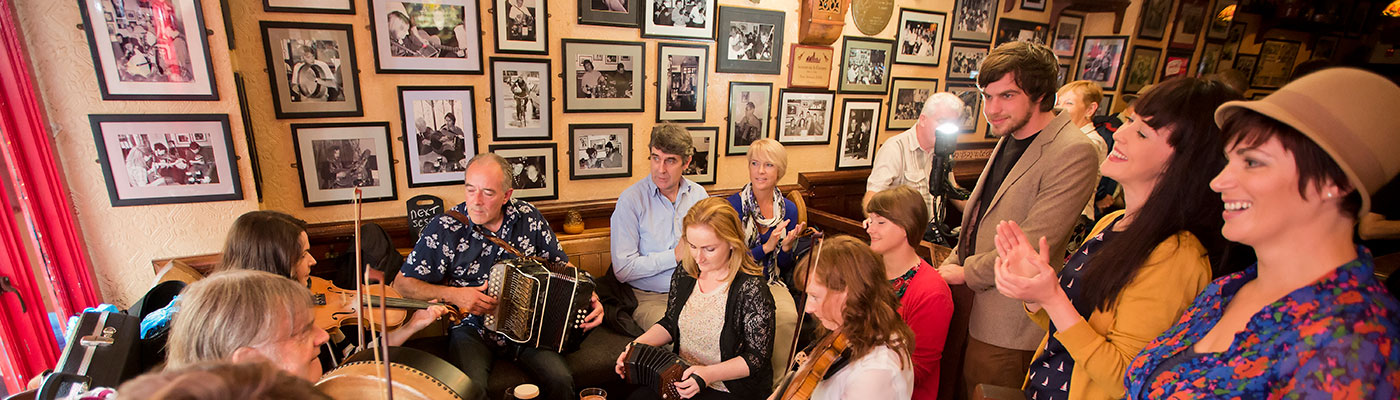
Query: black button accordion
x=537 y=305
x=654 y=367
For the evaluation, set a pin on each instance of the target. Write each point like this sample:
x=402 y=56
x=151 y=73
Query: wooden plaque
x=821 y=21
x=810 y=66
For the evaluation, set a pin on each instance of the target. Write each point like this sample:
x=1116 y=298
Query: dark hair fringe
x=1182 y=199
x=1249 y=128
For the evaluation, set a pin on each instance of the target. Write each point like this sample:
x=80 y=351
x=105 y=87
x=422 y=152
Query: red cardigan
x=927 y=307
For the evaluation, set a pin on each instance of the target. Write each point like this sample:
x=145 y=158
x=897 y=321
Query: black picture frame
x=914 y=101
x=877 y=51
x=1116 y=50
x=155 y=178
x=574 y=52
x=248 y=137
x=1009 y=29
x=377 y=133
x=910 y=49
x=1189 y=25
x=1216 y=28
x=1142 y=68
x=588 y=14
x=285 y=101
x=1175 y=58
x=1277 y=57
x=964 y=59
x=537 y=153
x=425 y=58
x=1105 y=106
x=269 y=7
x=1246 y=63
x=580 y=140
x=506 y=112
x=1066 y=36
x=972 y=104
x=810 y=109
x=1233 y=37
x=540 y=21
x=854 y=139
x=690 y=85
x=655 y=27
x=740 y=95
x=1155 y=15
x=973 y=27
x=734 y=20
x=106 y=56
x=447 y=156
x=1033 y=5
x=706 y=142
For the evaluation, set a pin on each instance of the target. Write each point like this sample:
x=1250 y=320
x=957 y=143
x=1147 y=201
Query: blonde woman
x=719 y=312
x=769 y=219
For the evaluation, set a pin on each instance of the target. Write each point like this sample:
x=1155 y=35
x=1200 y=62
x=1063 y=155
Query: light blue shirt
x=645 y=229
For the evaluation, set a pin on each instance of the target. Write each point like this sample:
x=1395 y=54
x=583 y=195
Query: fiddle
x=825 y=358
x=336 y=307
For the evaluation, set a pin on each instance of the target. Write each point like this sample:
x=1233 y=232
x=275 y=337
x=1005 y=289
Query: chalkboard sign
x=421 y=210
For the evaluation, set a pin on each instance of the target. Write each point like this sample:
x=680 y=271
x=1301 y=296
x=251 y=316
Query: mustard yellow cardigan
x=1176 y=271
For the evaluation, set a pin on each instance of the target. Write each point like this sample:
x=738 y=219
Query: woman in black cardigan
x=727 y=333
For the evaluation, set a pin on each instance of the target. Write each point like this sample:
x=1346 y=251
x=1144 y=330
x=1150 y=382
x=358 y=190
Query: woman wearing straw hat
x=1310 y=319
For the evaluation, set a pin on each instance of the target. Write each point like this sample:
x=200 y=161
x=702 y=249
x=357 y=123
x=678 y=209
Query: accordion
x=539 y=306
x=654 y=367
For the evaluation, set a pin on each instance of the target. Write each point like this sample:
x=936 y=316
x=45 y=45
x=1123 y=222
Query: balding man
x=453 y=258
x=909 y=159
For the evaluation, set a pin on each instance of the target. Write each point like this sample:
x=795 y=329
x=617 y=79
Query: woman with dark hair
x=719 y=312
x=896 y=219
x=849 y=295
x=268 y=241
x=1310 y=319
x=1141 y=266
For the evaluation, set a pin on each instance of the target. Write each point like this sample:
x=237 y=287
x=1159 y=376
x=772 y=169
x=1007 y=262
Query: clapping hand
x=1023 y=273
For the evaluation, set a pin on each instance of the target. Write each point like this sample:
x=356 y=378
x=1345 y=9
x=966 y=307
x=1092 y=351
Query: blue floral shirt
x=451 y=253
x=1334 y=338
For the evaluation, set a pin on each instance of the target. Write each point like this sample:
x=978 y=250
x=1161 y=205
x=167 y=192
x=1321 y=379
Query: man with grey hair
x=453 y=258
x=911 y=158
x=646 y=224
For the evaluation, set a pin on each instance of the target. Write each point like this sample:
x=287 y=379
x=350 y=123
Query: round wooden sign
x=871 y=16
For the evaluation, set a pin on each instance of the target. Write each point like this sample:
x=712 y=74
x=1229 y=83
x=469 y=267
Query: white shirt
x=900 y=161
x=878 y=375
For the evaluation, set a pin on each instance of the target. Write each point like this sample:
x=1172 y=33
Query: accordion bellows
x=655 y=368
x=537 y=306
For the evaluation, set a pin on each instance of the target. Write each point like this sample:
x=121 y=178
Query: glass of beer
x=593 y=394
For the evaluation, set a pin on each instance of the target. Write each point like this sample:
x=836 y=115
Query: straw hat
x=1348 y=112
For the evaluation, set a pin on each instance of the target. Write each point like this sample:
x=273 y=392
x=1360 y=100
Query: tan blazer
x=1044 y=192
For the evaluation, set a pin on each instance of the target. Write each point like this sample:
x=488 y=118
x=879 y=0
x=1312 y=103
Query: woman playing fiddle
x=719 y=311
x=848 y=293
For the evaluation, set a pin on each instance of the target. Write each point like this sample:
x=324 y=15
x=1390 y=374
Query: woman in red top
x=896 y=219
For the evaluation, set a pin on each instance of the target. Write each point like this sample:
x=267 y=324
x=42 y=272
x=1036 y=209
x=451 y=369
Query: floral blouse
x=1335 y=338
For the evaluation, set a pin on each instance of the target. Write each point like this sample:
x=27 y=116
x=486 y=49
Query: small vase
x=573 y=222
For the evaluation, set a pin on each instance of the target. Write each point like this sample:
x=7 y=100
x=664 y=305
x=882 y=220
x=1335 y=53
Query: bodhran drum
x=417 y=376
x=308 y=81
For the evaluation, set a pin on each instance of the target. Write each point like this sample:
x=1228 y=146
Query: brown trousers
x=994 y=365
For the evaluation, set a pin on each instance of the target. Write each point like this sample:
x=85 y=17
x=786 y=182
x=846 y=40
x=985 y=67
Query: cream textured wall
x=122 y=241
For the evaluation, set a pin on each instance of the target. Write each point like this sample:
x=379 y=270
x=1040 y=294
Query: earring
x=1329 y=195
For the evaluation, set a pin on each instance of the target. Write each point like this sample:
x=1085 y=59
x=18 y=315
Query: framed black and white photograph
x=706 y=158
x=973 y=19
x=149 y=50
x=1034 y=5
x=964 y=60
x=972 y=104
x=681 y=70
x=1067 y=35
x=860 y=118
x=166 y=158
x=624 y=13
x=1275 y=66
x=312 y=69
x=804 y=116
x=1232 y=43
x=1142 y=68
x=683 y=19
x=865 y=65
x=1218 y=27
x=1105 y=106
x=310 y=6
x=907 y=97
x=336 y=158
x=523 y=27
x=534 y=167
x=603 y=76
x=1210 y=58
x=1100 y=59
x=1190 y=21
x=749 y=105
x=749 y=41
x=1011 y=30
x=1245 y=63
x=1155 y=14
x=439 y=132
x=442 y=37
x=601 y=151
x=920 y=37
x=520 y=99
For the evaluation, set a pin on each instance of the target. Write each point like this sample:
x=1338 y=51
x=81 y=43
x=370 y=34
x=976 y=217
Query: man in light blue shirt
x=646 y=225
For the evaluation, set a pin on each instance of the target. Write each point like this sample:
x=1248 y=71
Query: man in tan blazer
x=1040 y=175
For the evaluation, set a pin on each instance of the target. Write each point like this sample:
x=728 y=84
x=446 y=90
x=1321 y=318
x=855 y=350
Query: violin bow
x=811 y=270
x=381 y=353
